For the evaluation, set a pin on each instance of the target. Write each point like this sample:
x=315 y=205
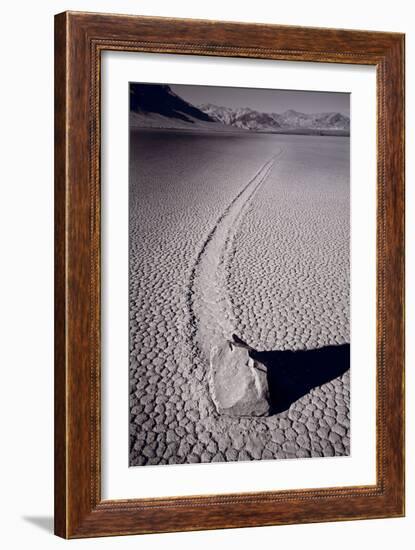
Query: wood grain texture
x=60 y=277
x=79 y=40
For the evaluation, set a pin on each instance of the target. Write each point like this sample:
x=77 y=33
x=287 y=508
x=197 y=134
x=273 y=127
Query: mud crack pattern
x=245 y=234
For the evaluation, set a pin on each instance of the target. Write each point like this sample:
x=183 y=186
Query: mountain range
x=157 y=106
x=251 y=119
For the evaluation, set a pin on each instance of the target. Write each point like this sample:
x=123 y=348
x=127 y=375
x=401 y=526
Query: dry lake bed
x=248 y=234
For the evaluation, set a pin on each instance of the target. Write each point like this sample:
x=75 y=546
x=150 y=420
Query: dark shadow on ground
x=43 y=522
x=292 y=374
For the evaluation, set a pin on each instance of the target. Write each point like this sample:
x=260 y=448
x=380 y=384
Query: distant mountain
x=157 y=106
x=321 y=121
x=160 y=100
x=273 y=122
x=242 y=117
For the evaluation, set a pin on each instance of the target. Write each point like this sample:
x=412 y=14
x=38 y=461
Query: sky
x=266 y=101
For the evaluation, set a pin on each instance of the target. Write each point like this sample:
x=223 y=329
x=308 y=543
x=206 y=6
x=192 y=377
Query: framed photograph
x=229 y=275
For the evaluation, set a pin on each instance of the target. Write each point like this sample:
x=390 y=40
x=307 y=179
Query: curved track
x=211 y=318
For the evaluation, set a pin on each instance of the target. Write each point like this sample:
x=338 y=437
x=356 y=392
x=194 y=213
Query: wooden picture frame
x=79 y=40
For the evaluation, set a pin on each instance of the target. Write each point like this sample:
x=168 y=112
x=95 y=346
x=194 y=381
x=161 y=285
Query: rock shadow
x=292 y=374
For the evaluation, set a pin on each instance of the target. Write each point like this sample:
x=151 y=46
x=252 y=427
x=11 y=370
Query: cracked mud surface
x=246 y=234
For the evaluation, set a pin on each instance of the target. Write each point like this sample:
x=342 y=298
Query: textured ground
x=245 y=234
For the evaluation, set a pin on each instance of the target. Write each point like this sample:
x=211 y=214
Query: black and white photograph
x=239 y=291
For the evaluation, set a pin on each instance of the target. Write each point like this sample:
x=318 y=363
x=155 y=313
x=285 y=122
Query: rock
x=238 y=384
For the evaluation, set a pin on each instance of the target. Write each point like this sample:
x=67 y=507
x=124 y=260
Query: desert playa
x=245 y=233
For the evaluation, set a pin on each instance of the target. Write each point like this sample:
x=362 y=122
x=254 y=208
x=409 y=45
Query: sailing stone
x=238 y=384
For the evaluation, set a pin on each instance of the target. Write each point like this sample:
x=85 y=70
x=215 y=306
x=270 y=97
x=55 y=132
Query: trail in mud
x=211 y=319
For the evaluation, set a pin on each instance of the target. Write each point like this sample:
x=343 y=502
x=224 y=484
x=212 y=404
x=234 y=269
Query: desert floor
x=235 y=233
